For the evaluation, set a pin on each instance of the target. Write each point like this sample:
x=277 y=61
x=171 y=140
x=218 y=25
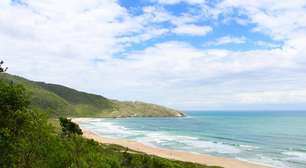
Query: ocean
x=277 y=139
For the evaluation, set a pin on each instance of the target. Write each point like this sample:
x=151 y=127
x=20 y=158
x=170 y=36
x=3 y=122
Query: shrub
x=69 y=128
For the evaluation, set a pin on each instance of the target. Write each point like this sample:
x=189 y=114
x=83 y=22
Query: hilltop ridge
x=60 y=100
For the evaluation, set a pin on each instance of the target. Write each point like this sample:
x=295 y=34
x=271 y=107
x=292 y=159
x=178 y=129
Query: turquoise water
x=272 y=138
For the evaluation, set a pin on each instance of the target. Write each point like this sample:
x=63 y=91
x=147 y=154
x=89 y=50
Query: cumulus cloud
x=208 y=78
x=58 y=34
x=87 y=45
x=171 y=2
x=191 y=29
x=228 y=40
x=266 y=44
x=271 y=17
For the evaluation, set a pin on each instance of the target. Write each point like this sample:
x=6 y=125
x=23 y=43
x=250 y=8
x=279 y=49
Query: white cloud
x=272 y=97
x=202 y=78
x=158 y=14
x=191 y=29
x=266 y=44
x=62 y=28
x=276 y=18
x=51 y=41
x=228 y=40
x=77 y=30
x=172 y=2
x=74 y=43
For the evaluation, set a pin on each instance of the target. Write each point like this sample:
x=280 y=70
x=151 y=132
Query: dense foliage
x=27 y=140
x=69 y=128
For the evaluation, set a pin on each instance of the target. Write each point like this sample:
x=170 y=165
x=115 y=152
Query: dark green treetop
x=69 y=128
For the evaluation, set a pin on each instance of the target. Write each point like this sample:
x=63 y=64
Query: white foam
x=248 y=147
x=159 y=138
x=87 y=120
x=109 y=129
x=266 y=161
x=208 y=146
x=187 y=143
x=295 y=155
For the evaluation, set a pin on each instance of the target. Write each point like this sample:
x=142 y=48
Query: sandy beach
x=171 y=154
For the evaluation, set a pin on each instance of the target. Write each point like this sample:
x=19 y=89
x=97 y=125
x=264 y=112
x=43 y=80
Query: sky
x=184 y=54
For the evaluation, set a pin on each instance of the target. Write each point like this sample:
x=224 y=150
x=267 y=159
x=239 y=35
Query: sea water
x=277 y=139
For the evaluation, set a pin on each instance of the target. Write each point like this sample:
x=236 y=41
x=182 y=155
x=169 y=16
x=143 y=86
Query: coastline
x=170 y=154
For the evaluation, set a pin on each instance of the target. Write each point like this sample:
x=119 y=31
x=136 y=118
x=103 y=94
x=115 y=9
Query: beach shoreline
x=169 y=154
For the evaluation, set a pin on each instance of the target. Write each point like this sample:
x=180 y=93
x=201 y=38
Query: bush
x=69 y=128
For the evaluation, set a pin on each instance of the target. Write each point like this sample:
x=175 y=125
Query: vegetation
x=59 y=100
x=69 y=128
x=27 y=140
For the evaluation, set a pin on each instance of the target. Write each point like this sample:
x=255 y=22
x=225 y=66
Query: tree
x=13 y=120
x=69 y=127
x=14 y=103
x=26 y=139
x=1 y=68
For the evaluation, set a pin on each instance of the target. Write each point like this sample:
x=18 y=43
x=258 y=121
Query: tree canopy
x=69 y=128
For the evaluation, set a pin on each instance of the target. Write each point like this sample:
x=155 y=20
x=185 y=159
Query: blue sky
x=221 y=27
x=185 y=54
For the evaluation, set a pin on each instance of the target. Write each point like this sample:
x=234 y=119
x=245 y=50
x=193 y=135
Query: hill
x=28 y=140
x=63 y=101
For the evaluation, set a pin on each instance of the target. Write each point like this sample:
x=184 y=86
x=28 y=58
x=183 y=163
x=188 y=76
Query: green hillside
x=63 y=101
x=27 y=140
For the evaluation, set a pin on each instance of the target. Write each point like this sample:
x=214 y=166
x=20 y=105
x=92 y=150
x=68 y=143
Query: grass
x=59 y=100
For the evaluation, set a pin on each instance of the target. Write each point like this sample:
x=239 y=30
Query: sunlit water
x=271 y=138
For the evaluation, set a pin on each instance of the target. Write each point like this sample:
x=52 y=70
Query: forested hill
x=59 y=100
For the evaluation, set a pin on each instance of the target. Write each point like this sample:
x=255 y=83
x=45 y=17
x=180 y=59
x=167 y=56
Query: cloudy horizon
x=185 y=54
